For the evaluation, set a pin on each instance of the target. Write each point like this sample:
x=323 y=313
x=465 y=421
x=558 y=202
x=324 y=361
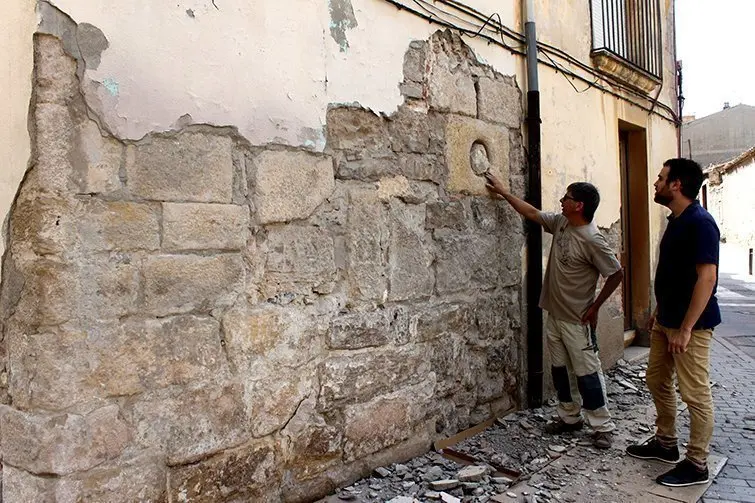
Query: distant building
x=728 y=195
x=721 y=136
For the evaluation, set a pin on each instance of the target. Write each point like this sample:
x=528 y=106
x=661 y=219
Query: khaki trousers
x=577 y=375
x=693 y=374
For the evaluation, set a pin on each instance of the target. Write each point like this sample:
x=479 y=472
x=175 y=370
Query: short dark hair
x=588 y=195
x=688 y=172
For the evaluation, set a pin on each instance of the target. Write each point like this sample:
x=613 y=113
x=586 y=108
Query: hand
x=591 y=316
x=678 y=342
x=494 y=185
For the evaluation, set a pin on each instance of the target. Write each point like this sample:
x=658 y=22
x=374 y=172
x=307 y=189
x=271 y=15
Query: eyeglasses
x=566 y=197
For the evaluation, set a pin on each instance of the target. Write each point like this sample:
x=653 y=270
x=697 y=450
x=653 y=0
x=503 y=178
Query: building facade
x=248 y=255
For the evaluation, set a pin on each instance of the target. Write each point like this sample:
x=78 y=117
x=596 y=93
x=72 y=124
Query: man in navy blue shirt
x=682 y=325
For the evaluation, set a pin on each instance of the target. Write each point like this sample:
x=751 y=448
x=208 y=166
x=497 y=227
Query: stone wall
x=190 y=317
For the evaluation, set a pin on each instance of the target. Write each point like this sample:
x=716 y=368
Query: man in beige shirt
x=579 y=254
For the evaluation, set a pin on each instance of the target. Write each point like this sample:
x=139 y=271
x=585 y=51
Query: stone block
x=182 y=283
x=363 y=330
x=407 y=191
x=461 y=134
x=290 y=185
x=367 y=242
x=455 y=215
x=412 y=90
x=190 y=423
x=298 y=260
x=374 y=426
x=100 y=159
x=492 y=317
x=366 y=169
x=441 y=321
x=356 y=129
x=142 y=478
x=263 y=340
x=354 y=378
x=141 y=355
x=119 y=225
x=451 y=86
x=194 y=226
x=50 y=290
x=20 y=485
x=450 y=359
x=243 y=474
x=48 y=369
x=415 y=61
x=500 y=101
x=62 y=443
x=312 y=445
x=410 y=254
x=55 y=71
x=43 y=223
x=189 y=167
x=410 y=131
x=273 y=400
x=466 y=261
x=109 y=287
x=252 y=333
x=55 y=130
x=427 y=167
x=387 y=420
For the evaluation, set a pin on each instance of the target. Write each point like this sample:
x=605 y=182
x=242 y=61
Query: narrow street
x=733 y=367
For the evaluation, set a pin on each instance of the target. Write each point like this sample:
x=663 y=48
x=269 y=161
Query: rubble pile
x=516 y=443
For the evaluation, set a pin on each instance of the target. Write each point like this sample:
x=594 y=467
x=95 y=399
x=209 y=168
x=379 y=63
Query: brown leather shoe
x=602 y=439
x=559 y=426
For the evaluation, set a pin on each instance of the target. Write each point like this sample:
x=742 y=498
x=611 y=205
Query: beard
x=662 y=199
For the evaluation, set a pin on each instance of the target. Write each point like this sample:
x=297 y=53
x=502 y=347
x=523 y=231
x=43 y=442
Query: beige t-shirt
x=577 y=256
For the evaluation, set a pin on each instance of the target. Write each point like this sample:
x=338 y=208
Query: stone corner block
x=194 y=167
x=195 y=226
x=462 y=133
x=291 y=185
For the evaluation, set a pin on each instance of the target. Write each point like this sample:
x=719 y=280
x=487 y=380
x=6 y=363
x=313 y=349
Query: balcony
x=627 y=41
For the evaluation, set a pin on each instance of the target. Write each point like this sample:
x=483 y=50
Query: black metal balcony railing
x=630 y=30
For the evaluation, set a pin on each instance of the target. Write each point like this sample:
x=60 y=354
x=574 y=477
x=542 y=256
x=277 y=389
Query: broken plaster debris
x=517 y=443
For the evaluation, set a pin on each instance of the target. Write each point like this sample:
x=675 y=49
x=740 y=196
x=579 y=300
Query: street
x=732 y=369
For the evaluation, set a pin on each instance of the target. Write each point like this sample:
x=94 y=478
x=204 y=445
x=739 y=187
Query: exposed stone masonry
x=193 y=318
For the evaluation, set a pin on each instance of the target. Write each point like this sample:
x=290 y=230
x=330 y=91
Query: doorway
x=635 y=227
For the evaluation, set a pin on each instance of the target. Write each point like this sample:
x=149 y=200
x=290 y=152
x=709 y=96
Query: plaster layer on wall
x=16 y=65
x=264 y=67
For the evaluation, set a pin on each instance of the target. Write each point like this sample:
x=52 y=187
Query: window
x=630 y=31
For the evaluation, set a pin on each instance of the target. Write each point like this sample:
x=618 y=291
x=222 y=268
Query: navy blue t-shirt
x=690 y=239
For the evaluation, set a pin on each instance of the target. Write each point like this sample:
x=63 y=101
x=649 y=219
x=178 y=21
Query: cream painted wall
x=269 y=68
x=16 y=66
x=733 y=205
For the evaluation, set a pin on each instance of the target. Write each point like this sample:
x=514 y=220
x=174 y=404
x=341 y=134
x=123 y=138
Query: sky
x=715 y=42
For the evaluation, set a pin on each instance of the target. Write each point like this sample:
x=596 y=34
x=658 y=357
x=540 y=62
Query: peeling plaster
x=341 y=19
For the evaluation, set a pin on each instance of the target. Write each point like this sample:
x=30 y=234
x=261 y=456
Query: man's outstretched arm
x=521 y=206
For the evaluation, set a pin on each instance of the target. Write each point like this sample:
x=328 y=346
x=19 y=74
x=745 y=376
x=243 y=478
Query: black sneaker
x=559 y=426
x=652 y=449
x=686 y=473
